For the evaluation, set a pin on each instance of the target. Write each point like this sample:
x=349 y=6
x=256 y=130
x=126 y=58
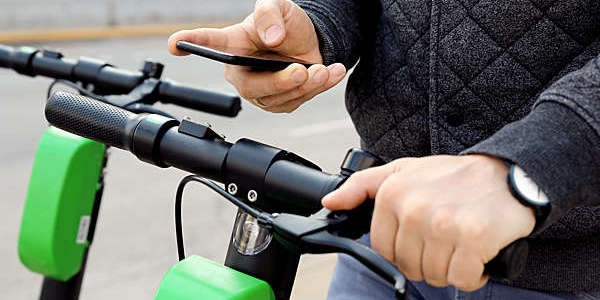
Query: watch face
x=527 y=188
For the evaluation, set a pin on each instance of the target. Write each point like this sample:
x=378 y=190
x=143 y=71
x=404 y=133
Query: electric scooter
x=65 y=189
x=278 y=195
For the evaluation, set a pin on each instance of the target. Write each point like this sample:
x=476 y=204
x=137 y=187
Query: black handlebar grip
x=199 y=99
x=5 y=56
x=91 y=118
x=510 y=261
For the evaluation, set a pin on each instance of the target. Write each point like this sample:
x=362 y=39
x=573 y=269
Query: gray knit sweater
x=517 y=79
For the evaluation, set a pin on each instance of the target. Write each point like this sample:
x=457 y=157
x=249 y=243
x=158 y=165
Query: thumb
x=359 y=187
x=269 y=22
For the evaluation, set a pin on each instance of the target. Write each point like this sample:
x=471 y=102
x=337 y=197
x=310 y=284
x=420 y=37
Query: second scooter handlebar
x=108 y=79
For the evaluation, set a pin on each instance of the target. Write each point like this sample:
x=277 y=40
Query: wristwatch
x=523 y=188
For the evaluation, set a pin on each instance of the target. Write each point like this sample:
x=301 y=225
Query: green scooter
x=67 y=180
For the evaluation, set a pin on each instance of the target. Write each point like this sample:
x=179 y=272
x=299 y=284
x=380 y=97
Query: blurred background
x=45 y=14
x=134 y=243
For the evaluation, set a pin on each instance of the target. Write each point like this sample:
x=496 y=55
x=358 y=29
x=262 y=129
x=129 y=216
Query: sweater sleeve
x=558 y=143
x=338 y=26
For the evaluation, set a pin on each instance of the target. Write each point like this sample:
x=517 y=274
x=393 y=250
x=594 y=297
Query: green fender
x=199 y=278
x=59 y=203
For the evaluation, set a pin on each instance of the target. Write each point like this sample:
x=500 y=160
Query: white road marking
x=323 y=127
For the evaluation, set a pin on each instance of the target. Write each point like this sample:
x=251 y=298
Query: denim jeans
x=353 y=281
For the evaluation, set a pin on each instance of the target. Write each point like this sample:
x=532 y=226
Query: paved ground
x=134 y=242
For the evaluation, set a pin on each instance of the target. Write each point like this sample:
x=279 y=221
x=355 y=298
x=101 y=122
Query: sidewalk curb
x=75 y=34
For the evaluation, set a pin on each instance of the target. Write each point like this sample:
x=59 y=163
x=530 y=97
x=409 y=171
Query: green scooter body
x=199 y=278
x=56 y=216
x=59 y=203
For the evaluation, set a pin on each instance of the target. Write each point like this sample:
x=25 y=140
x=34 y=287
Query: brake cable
x=263 y=218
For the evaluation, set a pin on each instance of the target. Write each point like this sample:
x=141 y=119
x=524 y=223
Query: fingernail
x=320 y=75
x=272 y=34
x=298 y=76
x=338 y=70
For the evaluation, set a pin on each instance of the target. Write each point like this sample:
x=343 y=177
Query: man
x=492 y=112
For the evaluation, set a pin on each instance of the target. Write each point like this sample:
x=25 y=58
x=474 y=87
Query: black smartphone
x=267 y=61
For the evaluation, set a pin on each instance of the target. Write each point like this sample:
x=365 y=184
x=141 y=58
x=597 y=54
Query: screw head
x=232 y=188
x=252 y=196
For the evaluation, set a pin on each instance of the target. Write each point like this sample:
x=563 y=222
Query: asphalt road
x=134 y=243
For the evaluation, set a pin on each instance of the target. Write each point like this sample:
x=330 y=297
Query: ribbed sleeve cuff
x=326 y=46
x=557 y=149
x=332 y=42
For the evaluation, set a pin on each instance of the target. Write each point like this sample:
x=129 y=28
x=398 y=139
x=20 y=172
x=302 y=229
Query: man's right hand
x=280 y=26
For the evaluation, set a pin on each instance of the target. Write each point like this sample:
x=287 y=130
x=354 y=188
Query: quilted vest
x=441 y=75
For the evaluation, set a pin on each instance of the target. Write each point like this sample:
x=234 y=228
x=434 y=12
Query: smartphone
x=267 y=61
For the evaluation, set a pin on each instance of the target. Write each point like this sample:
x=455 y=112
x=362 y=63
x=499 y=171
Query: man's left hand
x=439 y=218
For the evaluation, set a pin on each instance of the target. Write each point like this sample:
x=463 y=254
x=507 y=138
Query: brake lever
x=349 y=223
x=321 y=233
x=325 y=242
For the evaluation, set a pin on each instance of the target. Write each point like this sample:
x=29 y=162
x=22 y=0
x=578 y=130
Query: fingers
x=436 y=260
x=383 y=233
x=269 y=21
x=409 y=253
x=439 y=245
x=409 y=239
x=320 y=79
x=318 y=75
x=253 y=85
x=465 y=271
x=201 y=36
x=360 y=186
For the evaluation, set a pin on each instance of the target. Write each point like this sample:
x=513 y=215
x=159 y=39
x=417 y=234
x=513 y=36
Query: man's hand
x=279 y=26
x=439 y=218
